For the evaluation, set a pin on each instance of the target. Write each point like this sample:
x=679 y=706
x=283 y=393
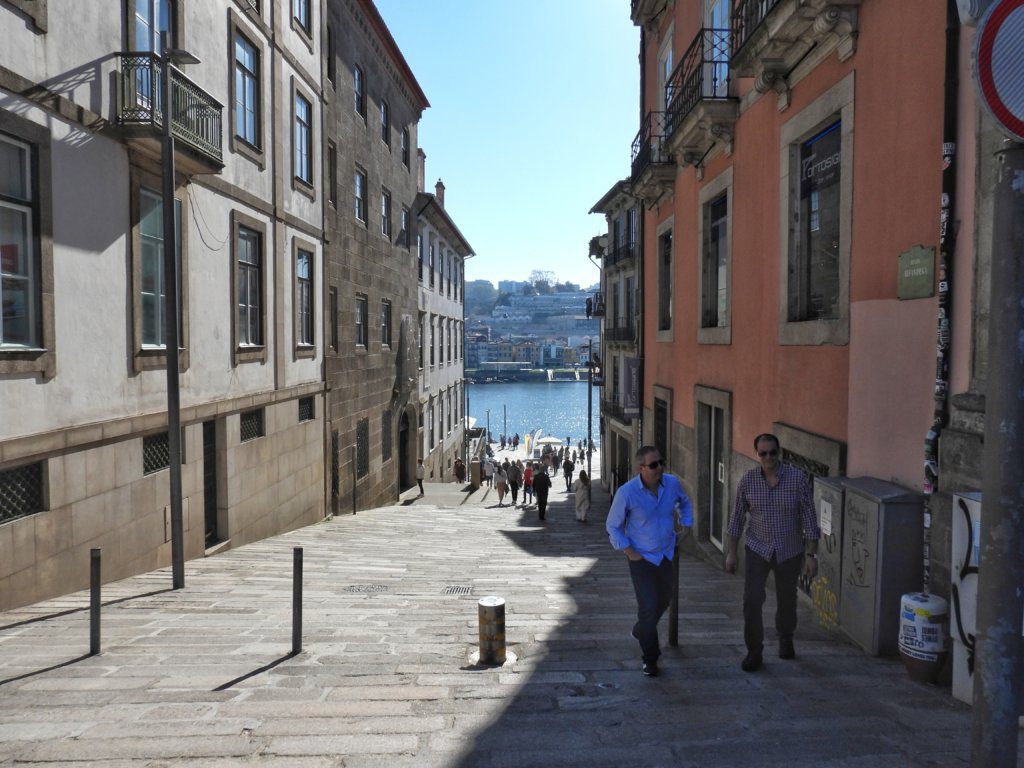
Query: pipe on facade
x=947 y=243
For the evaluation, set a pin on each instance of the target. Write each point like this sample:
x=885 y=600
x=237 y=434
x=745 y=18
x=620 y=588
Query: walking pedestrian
x=782 y=537
x=460 y=470
x=649 y=515
x=500 y=483
x=488 y=469
x=528 y=484
x=582 y=490
x=421 y=472
x=541 y=486
x=515 y=479
x=567 y=469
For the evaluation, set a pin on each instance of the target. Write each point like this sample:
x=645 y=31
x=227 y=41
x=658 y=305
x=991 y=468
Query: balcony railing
x=620 y=329
x=747 y=16
x=595 y=305
x=613 y=405
x=702 y=74
x=619 y=254
x=649 y=144
x=195 y=115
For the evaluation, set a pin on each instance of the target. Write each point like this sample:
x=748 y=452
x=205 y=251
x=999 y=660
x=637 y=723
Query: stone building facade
x=83 y=410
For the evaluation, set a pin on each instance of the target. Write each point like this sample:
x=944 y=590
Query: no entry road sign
x=999 y=64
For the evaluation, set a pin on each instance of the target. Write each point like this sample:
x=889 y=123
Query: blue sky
x=534 y=106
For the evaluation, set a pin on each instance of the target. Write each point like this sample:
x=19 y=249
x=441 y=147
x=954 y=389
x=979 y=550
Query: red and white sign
x=999 y=64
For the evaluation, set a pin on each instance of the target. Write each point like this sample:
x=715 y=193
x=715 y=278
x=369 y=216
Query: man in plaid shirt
x=782 y=536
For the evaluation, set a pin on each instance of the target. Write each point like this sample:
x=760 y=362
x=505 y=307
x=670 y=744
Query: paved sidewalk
x=203 y=677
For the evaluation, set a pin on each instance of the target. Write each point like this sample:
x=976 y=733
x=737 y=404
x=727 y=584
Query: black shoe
x=786 y=649
x=650 y=669
x=751 y=663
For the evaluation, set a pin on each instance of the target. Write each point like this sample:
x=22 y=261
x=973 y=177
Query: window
x=19 y=288
x=385 y=323
x=423 y=336
x=153 y=291
x=331 y=67
x=816 y=155
x=151 y=18
x=430 y=418
x=361 y=320
x=385 y=213
x=247 y=92
x=385 y=122
x=301 y=14
x=661 y=427
x=714 y=269
x=433 y=333
x=360 y=192
x=449 y=347
x=250 y=425
x=449 y=275
x=21 y=491
x=430 y=252
x=307 y=408
x=405 y=147
x=303 y=139
x=362 y=448
x=421 y=247
x=332 y=174
x=631 y=230
x=304 y=297
x=359 y=81
x=440 y=267
x=405 y=239
x=332 y=300
x=665 y=281
x=814 y=250
x=385 y=435
x=156 y=453
x=250 y=289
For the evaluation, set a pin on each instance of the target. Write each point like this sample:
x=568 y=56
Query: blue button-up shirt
x=646 y=521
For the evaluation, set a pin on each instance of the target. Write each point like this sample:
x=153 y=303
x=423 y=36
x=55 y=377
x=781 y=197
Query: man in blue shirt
x=648 y=515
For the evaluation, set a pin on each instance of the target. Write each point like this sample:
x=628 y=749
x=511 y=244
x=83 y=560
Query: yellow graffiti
x=826 y=604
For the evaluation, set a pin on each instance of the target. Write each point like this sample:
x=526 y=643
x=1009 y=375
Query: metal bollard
x=94 y=602
x=492 y=629
x=296 y=600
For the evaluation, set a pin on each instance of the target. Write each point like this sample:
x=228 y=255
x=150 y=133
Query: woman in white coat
x=581 y=487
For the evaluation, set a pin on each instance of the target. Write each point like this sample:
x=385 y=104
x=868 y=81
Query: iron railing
x=21 y=491
x=620 y=329
x=195 y=115
x=618 y=254
x=613 y=405
x=747 y=16
x=702 y=74
x=649 y=144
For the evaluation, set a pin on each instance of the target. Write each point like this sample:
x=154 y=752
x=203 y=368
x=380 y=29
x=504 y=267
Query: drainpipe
x=947 y=243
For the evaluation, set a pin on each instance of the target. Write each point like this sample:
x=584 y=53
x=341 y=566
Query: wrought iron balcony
x=195 y=115
x=770 y=37
x=613 y=406
x=620 y=329
x=619 y=255
x=653 y=169
x=595 y=305
x=699 y=108
x=643 y=12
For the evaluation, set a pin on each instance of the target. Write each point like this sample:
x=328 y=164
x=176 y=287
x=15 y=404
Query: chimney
x=439 y=192
x=421 y=171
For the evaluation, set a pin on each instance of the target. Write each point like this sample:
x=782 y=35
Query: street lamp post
x=590 y=405
x=487 y=437
x=172 y=313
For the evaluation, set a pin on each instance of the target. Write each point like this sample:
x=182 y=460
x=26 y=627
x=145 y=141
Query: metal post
x=673 y=607
x=171 y=315
x=296 y=600
x=487 y=437
x=999 y=665
x=504 y=411
x=491 y=613
x=590 y=405
x=94 y=601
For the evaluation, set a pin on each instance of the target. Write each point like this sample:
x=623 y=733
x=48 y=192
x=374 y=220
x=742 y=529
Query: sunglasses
x=772 y=452
x=655 y=464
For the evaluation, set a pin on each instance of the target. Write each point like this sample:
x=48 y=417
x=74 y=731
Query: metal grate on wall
x=156 y=453
x=307 y=409
x=250 y=425
x=21 y=491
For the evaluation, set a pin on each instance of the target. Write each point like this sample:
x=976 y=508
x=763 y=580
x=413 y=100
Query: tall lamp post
x=590 y=404
x=487 y=437
x=172 y=313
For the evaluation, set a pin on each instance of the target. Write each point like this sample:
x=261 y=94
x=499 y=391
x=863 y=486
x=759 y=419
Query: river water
x=557 y=407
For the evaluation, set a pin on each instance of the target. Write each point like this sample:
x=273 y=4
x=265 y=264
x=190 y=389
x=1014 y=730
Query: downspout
x=947 y=244
x=638 y=431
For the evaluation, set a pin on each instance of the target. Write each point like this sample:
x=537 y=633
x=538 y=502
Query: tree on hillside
x=529 y=290
x=542 y=276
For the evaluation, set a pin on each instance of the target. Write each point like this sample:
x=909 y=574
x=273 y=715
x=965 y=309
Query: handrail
x=649 y=144
x=703 y=73
x=196 y=116
x=747 y=16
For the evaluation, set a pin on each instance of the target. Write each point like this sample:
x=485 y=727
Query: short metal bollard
x=492 y=630
x=94 y=601
x=296 y=600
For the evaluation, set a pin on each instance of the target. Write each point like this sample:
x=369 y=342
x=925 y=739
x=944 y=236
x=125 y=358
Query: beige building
x=83 y=421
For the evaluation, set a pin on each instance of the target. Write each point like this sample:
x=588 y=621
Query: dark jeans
x=420 y=484
x=653 y=587
x=542 y=501
x=515 y=491
x=786 y=574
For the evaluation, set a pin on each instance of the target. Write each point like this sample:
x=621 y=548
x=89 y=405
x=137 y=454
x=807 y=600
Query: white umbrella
x=549 y=441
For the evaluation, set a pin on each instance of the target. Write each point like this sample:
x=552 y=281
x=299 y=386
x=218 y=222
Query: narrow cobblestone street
x=203 y=676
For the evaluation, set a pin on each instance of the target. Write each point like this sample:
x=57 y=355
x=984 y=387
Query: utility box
x=882 y=555
x=827 y=586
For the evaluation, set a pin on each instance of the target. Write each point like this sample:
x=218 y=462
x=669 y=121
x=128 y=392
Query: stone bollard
x=474 y=472
x=492 y=630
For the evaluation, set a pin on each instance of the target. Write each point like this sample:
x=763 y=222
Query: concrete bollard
x=474 y=472
x=492 y=630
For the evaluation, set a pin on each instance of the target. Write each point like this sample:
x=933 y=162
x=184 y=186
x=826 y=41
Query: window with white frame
x=301 y=14
x=250 y=291
x=715 y=298
x=247 y=91
x=385 y=213
x=153 y=292
x=359 y=83
x=361 y=318
x=665 y=281
x=304 y=297
x=406 y=223
x=385 y=322
x=385 y=122
x=303 y=139
x=406 y=141
x=360 y=194
x=19 y=281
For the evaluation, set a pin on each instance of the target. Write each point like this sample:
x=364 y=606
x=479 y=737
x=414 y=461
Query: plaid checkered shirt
x=781 y=518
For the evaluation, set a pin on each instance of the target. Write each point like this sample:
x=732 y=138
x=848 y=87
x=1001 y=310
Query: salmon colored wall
x=881 y=383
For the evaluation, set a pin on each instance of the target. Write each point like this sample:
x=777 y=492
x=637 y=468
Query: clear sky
x=534 y=106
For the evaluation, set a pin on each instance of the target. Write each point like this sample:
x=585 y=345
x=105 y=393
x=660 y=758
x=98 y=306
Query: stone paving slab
x=204 y=676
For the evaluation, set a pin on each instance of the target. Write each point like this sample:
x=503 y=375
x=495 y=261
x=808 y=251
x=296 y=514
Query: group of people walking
x=509 y=477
